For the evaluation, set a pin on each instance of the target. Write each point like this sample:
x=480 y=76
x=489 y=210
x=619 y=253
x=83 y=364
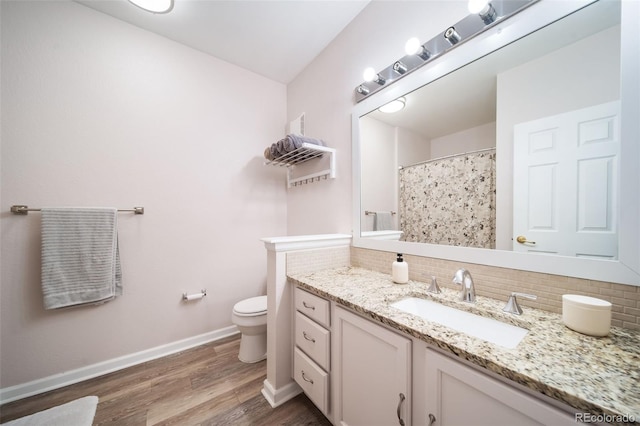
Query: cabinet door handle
x=313 y=308
x=402 y=398
x=311 y=339
x=305 y=378
x=432 y=419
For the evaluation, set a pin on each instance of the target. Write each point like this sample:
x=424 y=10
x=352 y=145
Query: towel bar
x=368 y=212
x=20 y=209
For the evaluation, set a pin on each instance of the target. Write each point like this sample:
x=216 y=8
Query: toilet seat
x=250 y=317
x=254 y=306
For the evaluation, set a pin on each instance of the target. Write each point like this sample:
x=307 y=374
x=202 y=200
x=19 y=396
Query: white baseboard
x=56 y=381
x=278 y=397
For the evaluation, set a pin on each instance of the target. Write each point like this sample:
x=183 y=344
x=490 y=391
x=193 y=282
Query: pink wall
x=324 y=91
x=96 y=112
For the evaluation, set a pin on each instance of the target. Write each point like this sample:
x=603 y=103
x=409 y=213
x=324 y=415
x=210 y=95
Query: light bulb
x=484 y=9
x=478 y=6
x=369 y=74
x=412 y=46
x=154 y=6
x=393 y=106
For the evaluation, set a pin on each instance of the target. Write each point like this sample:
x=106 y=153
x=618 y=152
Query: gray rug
x=75 y=413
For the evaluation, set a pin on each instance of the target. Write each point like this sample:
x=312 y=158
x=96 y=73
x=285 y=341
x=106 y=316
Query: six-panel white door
x=566 y=180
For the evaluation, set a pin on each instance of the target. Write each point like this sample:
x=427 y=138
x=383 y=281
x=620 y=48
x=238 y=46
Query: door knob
x=523 y=240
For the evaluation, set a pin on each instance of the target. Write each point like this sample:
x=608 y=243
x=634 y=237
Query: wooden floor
x=206 y=385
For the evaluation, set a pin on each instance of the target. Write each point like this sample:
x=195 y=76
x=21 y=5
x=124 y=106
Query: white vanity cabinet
x=311 y=355
x=457 y=394
x=371 y=372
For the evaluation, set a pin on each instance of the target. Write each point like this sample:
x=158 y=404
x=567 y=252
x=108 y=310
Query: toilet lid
x=252 y=306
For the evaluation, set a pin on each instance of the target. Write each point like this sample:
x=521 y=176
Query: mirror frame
x=625 y=270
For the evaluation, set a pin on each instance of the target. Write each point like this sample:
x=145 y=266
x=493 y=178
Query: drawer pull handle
x=432 y=419
x=308 y=306
x=311 y=339
x=305 y=378
x=400 y=421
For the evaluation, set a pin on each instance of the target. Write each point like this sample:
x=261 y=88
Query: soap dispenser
x=400 y=271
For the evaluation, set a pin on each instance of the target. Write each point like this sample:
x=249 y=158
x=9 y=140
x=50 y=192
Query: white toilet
x=250 y=316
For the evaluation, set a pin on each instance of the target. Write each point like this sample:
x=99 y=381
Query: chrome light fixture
x=491 y=12
x=370 y=75
x=484 y=9
x=393 y=106
x=399 y=67
x=154 y=6
x=363 y=90
x=413 y=47
x=452 y=36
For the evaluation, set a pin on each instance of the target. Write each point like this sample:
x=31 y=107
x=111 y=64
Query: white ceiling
x=274 y=38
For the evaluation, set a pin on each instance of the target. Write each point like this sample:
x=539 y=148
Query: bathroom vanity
x=386 y=366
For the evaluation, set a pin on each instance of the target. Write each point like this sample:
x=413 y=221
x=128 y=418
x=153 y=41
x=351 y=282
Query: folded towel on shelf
x=268 y=155
x=382 y=221
x=80 y=258
x=293 y=141
x=274 y=151
x=289 y=144
x=280 y=147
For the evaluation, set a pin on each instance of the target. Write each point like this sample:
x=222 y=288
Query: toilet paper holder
x=194 y=296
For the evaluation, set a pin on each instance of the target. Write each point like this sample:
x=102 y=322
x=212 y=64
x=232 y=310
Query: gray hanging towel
x=80 y=258
x=382 y=221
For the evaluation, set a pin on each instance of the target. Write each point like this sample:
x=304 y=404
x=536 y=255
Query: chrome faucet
x=434 y=287
x=512 y=305
x=463 y=278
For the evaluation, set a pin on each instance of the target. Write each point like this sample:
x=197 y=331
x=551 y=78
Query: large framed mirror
x=517 y=149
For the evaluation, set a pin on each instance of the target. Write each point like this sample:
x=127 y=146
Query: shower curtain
x=450 y=200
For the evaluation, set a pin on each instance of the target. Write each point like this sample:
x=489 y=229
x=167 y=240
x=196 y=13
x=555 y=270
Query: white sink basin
x=491 y=330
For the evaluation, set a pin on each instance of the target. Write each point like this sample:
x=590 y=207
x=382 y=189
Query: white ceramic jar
x=587 y=315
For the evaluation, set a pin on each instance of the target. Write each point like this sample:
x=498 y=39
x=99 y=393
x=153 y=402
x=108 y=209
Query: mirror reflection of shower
x=475 y=108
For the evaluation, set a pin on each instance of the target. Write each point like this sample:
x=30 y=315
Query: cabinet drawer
x=313 y=339
x=313 y=306
x=312 y=379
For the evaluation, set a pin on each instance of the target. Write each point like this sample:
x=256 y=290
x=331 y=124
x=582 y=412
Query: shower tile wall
x=450 y=201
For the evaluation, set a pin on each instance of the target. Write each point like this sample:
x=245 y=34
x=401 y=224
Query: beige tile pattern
x=318 y=259
x=498 y=283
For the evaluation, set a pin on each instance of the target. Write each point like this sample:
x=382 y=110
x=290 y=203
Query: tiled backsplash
x=317 y=259
x=490 y=281
x=498 y=283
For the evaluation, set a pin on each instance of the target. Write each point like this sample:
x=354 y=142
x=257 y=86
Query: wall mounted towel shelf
x=305 y=153
x=21 y=209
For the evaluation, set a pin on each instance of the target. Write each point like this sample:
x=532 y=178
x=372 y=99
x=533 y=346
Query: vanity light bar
x=469 y=27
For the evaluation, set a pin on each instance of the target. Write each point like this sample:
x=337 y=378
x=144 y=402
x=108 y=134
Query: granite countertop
x=597 y=375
